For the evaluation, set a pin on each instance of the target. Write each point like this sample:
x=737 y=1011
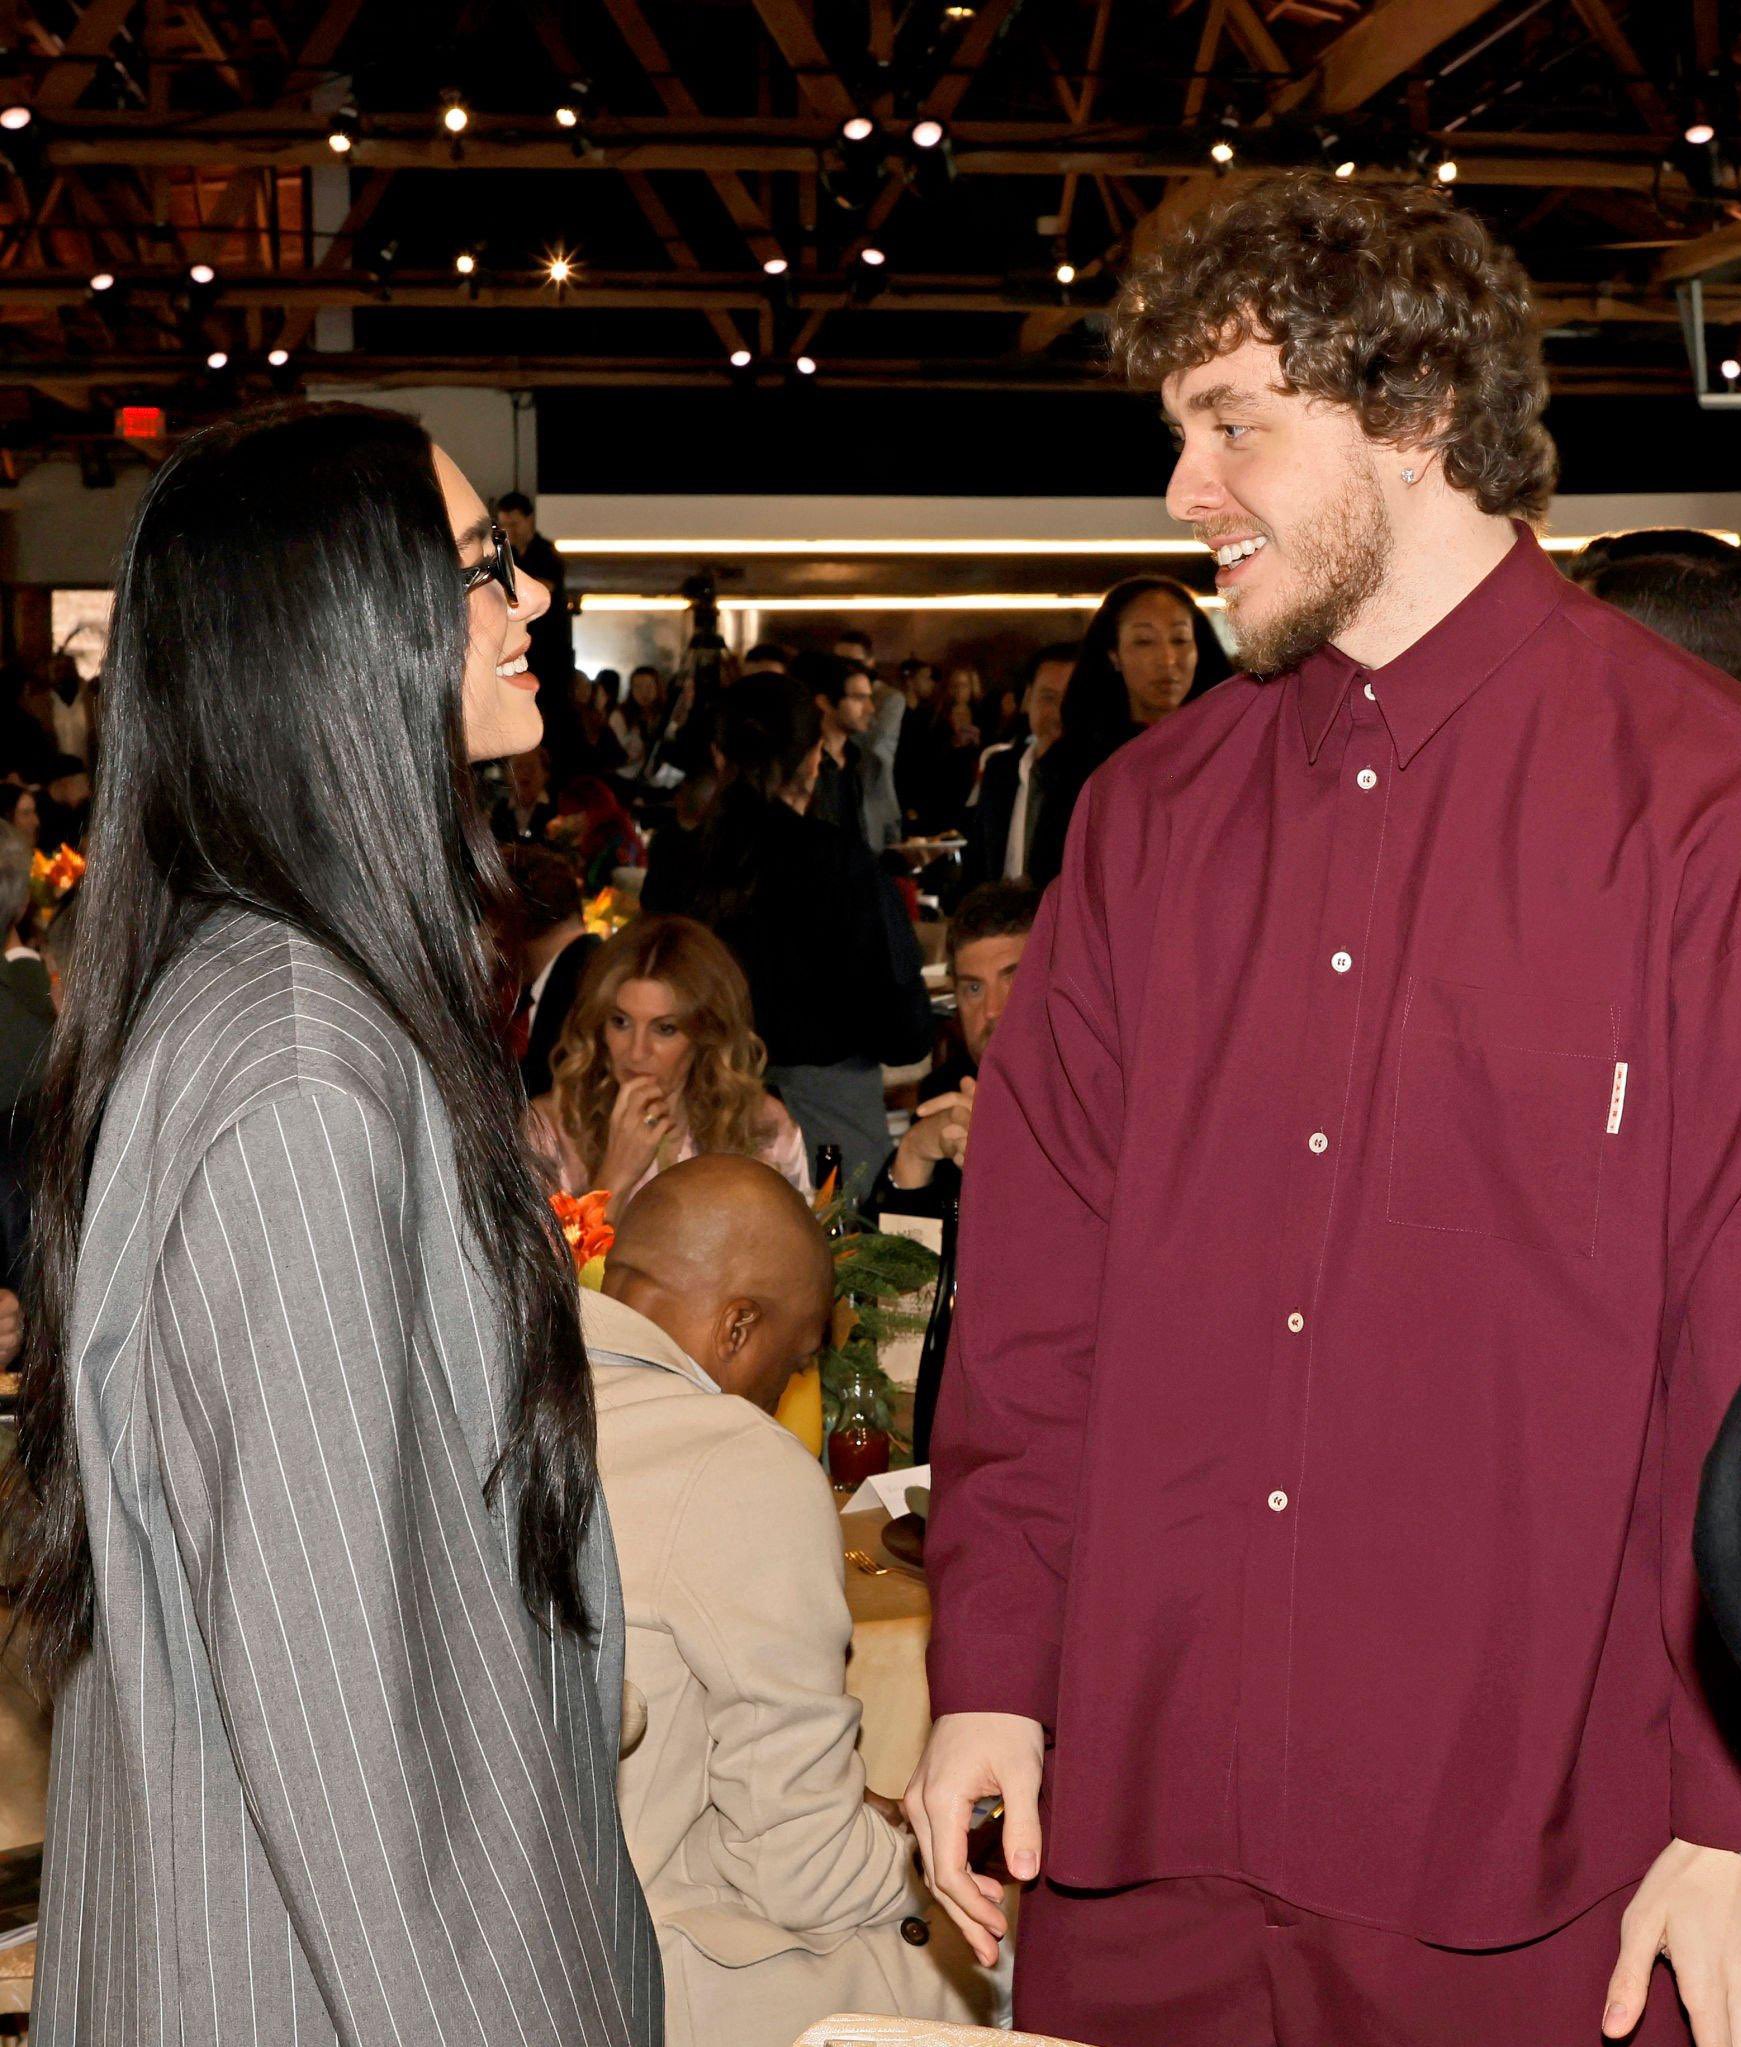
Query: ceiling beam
x=699 y=290
x=89 y=38
x=299 y=322
x=734 y=195
x=653 y=210
x=1701 y=255
x=521 y=372
x=1598 y=17
x=793 y=30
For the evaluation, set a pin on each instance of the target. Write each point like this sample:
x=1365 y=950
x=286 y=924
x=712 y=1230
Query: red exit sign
x=141 y=423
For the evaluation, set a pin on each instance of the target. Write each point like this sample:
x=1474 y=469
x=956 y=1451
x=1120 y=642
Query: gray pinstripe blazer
x=322 y=1777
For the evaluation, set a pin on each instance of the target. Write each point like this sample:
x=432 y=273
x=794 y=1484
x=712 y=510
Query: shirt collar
x=1428 y=682
x=617 y=1332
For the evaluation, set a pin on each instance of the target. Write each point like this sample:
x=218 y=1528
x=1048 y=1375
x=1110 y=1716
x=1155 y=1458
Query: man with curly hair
x=1350 y=1273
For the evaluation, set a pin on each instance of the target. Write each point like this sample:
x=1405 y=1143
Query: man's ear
x=737 y=1322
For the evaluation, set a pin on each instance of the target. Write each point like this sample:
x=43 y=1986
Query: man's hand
x=11 y=1329
x=972 y=1756
x=1689 y=1909
x=939 y=1131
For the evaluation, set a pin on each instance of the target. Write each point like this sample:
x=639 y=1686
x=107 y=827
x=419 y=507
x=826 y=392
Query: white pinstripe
x=206 y=1059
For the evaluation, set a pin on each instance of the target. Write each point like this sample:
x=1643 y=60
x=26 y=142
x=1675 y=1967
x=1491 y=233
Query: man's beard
x=1341 y=560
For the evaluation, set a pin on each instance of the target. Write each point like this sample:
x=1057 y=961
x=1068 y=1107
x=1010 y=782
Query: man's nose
x=1192 y=491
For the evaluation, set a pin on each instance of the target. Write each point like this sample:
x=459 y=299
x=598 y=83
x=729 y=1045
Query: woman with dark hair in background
x=304 y=1509
x=18 y=808
x=1149 y=649
x=833 y=966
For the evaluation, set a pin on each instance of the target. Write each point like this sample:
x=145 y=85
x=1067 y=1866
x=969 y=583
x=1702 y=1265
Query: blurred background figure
x=1148 y=649
x=551 y=654
x=1012 y=789
x=552 y=947
x=1683 y=583
x=833 y=966
x=657 y=1061
x=987 y=936
x=525 y=812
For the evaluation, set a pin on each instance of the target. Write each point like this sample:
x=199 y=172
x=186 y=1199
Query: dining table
x=885 y=1671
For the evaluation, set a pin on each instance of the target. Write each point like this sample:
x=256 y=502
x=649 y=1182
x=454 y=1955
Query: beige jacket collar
x=616 y=1334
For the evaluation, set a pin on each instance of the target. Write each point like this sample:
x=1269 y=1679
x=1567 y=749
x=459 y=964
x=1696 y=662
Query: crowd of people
x=1334 y=1066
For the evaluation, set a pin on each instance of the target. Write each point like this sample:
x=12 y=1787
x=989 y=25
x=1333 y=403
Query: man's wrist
x=911 y=1168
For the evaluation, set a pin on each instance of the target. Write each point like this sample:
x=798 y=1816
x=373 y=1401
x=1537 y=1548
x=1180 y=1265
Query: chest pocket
x=1501 y=1114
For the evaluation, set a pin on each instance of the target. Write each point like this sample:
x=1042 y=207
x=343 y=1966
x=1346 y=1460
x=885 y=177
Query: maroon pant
x=1210 y=1962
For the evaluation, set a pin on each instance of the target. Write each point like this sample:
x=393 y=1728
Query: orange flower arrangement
x=588 y=1235
x=52 y=875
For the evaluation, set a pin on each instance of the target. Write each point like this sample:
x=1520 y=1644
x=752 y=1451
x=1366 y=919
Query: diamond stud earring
x=1408 y=476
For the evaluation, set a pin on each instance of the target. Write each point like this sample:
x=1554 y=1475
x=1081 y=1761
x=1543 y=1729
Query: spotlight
x=852 y=171
x=465 y=263
x=1346 y=168
x=927 y=134
x=805 y=366
x=1065 y=273
x=217 y=360
x=103 y=281
x=559 y=269
x=341 y=134
x=202 y=274
x=278 y=358
x=1731 y=369
x=1698 y=133
x=741 y=358
x=573 y=114
x=14 y=118
x=775 y=266
x=454 y=117
x=872 y=255
x=1221 y=152
x=959 y=11
x=1447 y=172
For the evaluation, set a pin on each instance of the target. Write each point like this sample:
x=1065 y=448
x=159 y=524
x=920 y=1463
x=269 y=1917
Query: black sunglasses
x=496 y=567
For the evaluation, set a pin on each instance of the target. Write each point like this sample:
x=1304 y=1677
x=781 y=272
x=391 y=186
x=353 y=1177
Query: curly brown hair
x=724 y=1103
x=1381 y=297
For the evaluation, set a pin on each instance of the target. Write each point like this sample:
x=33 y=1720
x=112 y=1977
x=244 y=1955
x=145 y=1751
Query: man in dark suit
x=524 y=814
x=1000 y=825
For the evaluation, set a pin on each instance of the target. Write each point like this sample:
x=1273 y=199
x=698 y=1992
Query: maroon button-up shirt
x=1351 y=1283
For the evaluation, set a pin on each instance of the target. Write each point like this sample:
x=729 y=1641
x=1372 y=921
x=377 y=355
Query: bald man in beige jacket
x=778 y=1892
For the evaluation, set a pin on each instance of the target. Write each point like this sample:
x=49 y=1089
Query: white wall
x=495 y=445
x=53 y=530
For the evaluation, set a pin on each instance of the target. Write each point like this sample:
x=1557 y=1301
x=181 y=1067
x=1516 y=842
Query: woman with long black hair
x=1149 y=649
x=307 y=1518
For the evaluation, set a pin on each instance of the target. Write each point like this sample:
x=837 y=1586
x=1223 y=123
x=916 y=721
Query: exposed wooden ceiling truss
x=705 y=156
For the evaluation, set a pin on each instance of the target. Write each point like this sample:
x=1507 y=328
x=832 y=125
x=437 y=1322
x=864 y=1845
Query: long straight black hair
x=283 y=729
x=1096 y=708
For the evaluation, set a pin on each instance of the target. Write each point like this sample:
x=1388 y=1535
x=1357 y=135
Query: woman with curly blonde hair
x=658 y=1061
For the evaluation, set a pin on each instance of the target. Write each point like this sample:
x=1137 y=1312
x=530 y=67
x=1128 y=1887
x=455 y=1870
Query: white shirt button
x=1341 y=961
x=1371 y=693
x=1278 y=1503
x=1367 y=779
x=1296 y=1321
x=1318 y=1141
